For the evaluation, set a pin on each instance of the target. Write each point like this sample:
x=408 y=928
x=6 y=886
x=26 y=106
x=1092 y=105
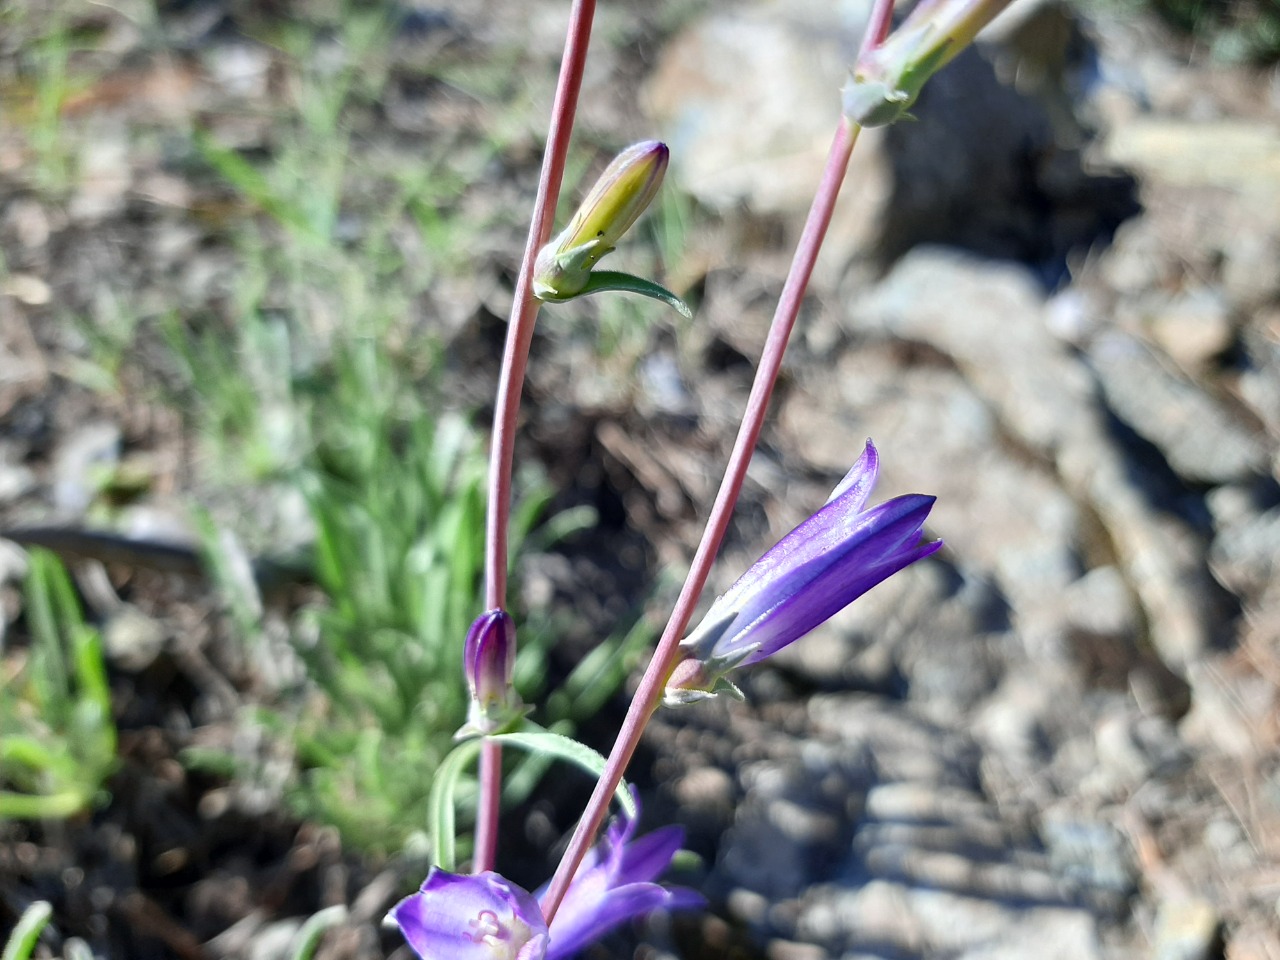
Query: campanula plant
x=825 y=563
x=813 y=573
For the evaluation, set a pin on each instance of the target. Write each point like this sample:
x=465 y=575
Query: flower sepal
x=491 y=720
x=599 y=281
x=700 y=683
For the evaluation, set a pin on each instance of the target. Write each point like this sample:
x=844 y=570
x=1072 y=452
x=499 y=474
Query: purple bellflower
x=485 y=917
x=814 y=572
x=477 y=917
x=614 y=884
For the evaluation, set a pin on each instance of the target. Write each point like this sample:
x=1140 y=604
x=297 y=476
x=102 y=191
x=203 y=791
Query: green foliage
x=315 y=387
x=22 y=941
x=1233 y=30
x=544 y=745
x=57 y=737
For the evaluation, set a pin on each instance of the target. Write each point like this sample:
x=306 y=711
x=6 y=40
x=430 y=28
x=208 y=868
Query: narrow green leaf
x=22 y=942
x=601 y=280
x=251 y=182
x=442 y=819
x=54 y=806
x=562 y=748
x=304 y=942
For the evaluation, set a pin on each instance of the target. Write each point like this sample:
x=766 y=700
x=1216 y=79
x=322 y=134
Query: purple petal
x=481 y=917
x=613 y=888
x=814 y=592
x=648 y=857
x=571 y=934
x=860 y=480
x=817 y=534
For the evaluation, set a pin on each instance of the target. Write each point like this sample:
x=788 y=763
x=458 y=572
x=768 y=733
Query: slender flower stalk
x=934 y=35
x=524 y=313
x=649 y=694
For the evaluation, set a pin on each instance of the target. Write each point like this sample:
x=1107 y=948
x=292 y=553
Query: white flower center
x=486 y=929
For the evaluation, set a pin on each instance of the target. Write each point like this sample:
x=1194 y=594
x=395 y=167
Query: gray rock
x=988 y=317
x=1193 y=327
x=1259 y=381
x=1186 y=930
x=1246 y=554
x=1005 y=519
x=1162 y=559
x=1249 y=275
x=275 y=940
x=132 y=640
x=1202 y=440
x=1089 y=853
x=1236 y=154
x=80 y=460
x=748 y=98
x=1102 y=604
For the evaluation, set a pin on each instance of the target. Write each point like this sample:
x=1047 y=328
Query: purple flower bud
x=489 y=661
x=814 y=572
x=480 y=917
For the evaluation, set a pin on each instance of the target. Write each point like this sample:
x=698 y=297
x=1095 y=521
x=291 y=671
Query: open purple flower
x=486 y=917
x=479 y=917
x=814 y=572
x=614 y=884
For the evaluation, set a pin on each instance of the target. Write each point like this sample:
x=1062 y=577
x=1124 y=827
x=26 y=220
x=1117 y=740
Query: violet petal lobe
x=620 y=905
x=615 y=884
x=813 y=535
x=887 y=542
x=480 y=917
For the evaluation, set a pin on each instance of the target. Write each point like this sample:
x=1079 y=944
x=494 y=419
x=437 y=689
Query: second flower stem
x=665 y=657
x=515 y=357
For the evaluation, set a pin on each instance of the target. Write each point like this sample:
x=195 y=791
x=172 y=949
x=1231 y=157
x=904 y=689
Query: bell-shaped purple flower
x=614 y=884
x=814 y=572
x=479 y=917
x=485 y=917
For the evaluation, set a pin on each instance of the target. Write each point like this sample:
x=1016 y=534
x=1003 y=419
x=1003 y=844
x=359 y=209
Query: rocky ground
x=1054 y=302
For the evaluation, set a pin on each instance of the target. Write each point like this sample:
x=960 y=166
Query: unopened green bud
x=628 y=184
x=888 y=77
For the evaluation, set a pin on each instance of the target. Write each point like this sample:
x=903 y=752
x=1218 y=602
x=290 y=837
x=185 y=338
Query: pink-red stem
x=524 y=313
x=665 y=657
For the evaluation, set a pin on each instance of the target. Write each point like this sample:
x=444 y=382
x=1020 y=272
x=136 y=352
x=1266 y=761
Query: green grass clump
x=57 y=736
x=327 y=439
x=1234 y=30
